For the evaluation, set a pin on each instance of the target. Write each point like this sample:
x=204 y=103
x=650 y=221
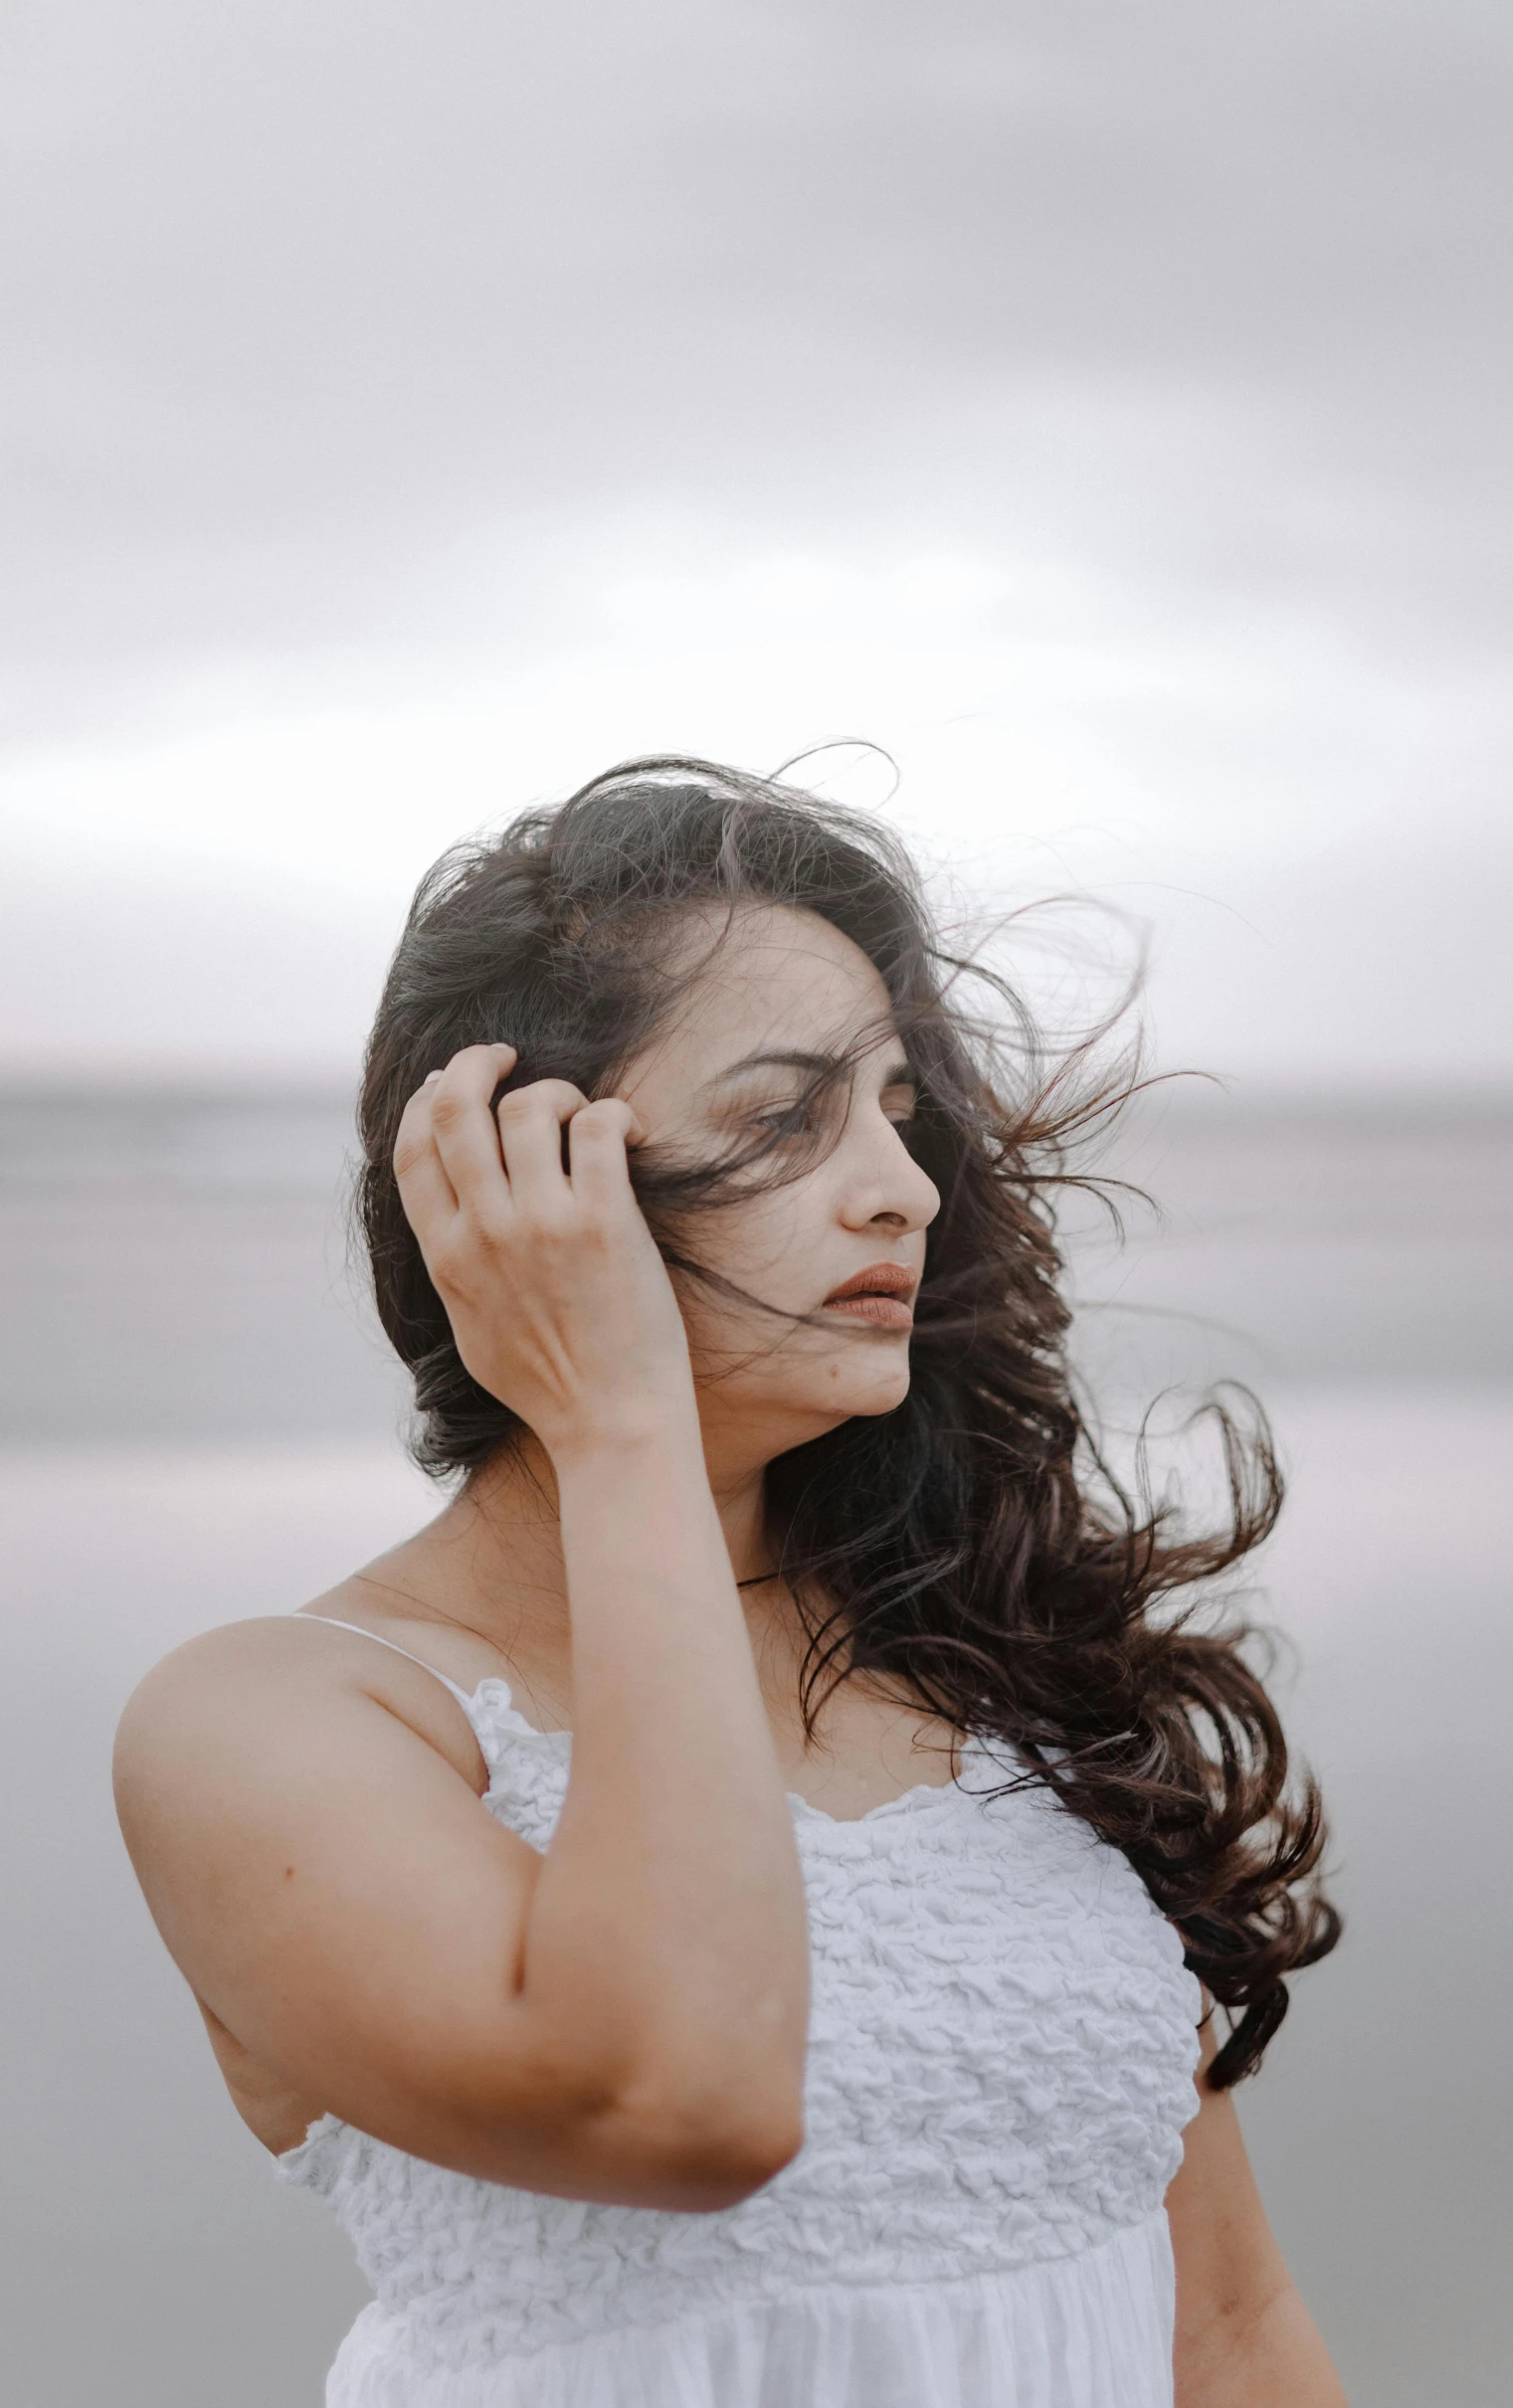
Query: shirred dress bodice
x=1001 y=2044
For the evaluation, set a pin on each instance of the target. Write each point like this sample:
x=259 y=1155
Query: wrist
x=633 y=1434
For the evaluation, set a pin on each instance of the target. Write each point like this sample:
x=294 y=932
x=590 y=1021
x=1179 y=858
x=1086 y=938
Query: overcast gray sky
x=1101 y=402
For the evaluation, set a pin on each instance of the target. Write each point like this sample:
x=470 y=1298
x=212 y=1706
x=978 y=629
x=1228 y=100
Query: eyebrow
x=817 y=1065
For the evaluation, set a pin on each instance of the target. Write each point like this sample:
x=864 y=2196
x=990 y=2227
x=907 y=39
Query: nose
x=887 y=1190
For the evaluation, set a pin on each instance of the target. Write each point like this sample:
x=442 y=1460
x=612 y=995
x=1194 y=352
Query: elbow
x=714 y=2149
x=754 y=2149
x=721 y=2166
x=691 y=2130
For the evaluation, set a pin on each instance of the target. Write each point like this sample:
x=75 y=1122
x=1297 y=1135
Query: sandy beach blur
x=198 y=1422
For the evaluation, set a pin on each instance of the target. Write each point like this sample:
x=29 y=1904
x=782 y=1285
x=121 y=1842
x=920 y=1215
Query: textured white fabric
x=1000 y=2053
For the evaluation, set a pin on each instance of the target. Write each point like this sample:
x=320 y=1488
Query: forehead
x=766 y=978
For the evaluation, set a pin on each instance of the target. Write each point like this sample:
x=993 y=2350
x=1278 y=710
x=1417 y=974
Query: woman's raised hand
x=624 y=2016
x=558 y=1299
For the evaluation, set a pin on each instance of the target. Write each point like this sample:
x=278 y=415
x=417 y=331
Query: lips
x=881 y=1295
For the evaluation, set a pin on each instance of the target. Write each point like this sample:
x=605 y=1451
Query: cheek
x=748 y=1247
x=770 y=1246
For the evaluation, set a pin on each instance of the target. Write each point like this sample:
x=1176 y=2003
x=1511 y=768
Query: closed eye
x=798 y=1118
x=793 y=1120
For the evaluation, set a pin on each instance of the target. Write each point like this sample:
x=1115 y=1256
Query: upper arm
x=332 y=1889
x=1243 y=2338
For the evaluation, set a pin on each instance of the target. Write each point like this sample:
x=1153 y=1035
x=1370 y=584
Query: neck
x=512 y=1503
x=492 y=1561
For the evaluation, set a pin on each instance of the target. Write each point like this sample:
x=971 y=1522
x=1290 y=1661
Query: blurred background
x=1102 y=408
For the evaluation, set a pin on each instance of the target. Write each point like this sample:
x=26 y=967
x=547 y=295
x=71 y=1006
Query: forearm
x=668 y=1917
x=658 y=1973
x=1270 y=2357
x=1243 y=2338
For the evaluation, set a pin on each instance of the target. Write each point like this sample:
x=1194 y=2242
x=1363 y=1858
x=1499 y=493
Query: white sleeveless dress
x=1002 y=2046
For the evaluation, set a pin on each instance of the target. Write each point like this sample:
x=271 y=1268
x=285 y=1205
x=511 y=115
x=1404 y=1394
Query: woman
x=827 y=2040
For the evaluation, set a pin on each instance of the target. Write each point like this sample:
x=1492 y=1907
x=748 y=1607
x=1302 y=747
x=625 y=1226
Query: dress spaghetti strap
x=461 y=1695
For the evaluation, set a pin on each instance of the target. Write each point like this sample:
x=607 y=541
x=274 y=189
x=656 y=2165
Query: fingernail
x=431 y=1078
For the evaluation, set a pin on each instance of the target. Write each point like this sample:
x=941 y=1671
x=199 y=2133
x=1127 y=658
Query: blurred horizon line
x=189 y=1078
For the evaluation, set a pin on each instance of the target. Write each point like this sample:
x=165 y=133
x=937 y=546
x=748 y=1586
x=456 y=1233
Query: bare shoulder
x=302 y=1808
x=276 y=1681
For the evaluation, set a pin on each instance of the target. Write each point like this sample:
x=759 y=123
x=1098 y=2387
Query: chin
x=861 y=1391
x=813 y=1398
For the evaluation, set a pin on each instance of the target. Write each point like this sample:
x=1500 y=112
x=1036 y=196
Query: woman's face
x=844 y=1242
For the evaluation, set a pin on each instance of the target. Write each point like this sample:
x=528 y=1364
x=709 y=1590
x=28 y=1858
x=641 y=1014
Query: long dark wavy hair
x=972 y=1547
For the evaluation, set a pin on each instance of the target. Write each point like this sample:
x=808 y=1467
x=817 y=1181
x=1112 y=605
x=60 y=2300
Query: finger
x=531 y=1121
x=425 y=1191
x=597 y=1140
x=464 y=1126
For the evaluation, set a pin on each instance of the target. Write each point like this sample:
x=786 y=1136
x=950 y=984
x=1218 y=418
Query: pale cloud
x=1102 y=408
